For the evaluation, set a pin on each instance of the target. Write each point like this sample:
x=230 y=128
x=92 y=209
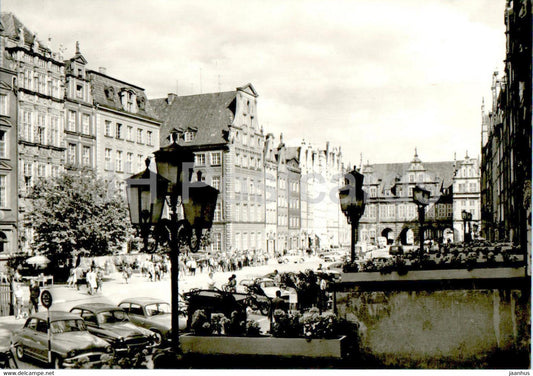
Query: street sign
x=46 y=299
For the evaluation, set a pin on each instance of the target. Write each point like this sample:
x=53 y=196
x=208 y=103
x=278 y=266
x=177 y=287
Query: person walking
x=35 y=293
x=210 y=281
x=18 y=301
x=91 y=281
x=232 y=284
x=99 y=280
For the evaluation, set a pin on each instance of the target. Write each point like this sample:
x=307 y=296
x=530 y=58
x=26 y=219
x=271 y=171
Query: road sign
x=46 y=299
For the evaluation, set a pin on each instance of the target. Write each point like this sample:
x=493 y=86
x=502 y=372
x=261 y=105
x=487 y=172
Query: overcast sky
x=377 y=77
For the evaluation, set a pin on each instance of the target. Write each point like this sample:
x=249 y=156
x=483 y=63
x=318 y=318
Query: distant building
x=322 y=222
x=391 y=213
x=506 y=138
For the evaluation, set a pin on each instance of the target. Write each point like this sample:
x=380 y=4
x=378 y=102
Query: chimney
x=102 y=70
x=171 y=97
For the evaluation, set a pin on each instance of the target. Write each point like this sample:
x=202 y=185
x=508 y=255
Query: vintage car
x=112 y=324
x=72 y=344
x=215 y=301
x=153 y=314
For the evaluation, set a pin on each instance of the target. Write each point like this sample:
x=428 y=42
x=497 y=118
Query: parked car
x=112 y=324
x=71 y=343
x=153 y=314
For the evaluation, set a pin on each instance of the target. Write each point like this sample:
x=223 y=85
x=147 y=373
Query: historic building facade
x=391 y=213
x=8 y=153
x=125 y=133
x=223 y=131
x=506 y=138
x=40 y=106
x=322 y=174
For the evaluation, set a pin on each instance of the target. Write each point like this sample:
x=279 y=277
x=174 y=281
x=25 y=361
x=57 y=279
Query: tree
x=74 y=211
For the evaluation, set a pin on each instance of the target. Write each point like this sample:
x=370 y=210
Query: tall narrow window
x=108 y=131
x=72 y=154
x=119 y=134
x=4 y=110
x=129 y=163
x=86 y=157
x=108 y=165
x=3 y=145
x=119 y=161
x=86 y=124
x=71 y=121
x=3 y=191
x=149 y=140
x=140 y=136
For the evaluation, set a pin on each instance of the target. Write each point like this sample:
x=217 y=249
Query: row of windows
x=294 y=222
x=120 y=132
x=41 y=128
x=86 y=155
x=245 y=161
x=245 y=212
x=40 y=82
x=467 y=187
x=214 y=159
x=119 y=162
x=247 y=241
x=85 y=126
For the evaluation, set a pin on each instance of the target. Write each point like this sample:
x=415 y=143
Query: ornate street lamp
x=149 y=191
x=467 y=217
x=421 y=199
x=352 y=200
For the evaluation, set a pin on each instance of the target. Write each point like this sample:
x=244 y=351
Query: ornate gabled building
x=390 y=211
x=295 y=240
x=40 y=105
x=223 y=131
x=271 y=194
x=8 y=152
x=322 y=174
x=80 y=129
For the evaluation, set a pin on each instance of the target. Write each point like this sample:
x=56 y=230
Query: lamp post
x=352 y=200
x=148 y=193
x=421 y=199
x=467 y=217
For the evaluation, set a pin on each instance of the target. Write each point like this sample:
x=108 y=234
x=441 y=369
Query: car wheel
x=57 y=362
x=19 y=352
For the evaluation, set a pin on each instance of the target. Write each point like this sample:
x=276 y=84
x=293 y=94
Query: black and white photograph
x=298 y=185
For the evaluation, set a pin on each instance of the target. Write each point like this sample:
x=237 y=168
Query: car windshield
x=63 y=326
x=268 y=284
x=157 y=309
x=111 y=317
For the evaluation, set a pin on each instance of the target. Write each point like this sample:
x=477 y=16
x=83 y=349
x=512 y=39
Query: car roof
x=143 y=300
x=55 y=315
x=97 y=307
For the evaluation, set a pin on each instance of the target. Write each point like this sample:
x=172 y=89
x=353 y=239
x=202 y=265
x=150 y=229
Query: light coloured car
x=153 y=314
x=72 y=345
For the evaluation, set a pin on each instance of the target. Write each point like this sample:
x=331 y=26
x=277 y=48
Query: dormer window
x=188 y=136
x=128 y=100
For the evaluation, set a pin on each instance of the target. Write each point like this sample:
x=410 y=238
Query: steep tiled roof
x=106 y=90
x=208 y=115
x=388 y=172
x=10 y=28
x=293 y=152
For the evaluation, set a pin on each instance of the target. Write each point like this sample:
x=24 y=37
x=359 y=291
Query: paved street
x=115 y=290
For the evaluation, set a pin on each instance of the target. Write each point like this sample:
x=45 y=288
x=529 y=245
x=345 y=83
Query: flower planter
x=288 y=347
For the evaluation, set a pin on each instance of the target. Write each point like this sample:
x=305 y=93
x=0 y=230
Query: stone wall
x=442 y=329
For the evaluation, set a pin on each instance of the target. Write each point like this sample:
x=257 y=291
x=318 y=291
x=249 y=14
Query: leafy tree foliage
x=77 y=211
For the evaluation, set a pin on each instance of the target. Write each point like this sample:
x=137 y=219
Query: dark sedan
x=112 y=324
x=71 y=344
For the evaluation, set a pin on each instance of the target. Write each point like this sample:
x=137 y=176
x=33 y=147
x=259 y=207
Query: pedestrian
x=232 y=283
x=99 y=280
x=71 y=278
x=157 y=271
x=79 y=277
x=277 y=303
x=35 y=293
x=126 y=274
x=18 y=301
x=91 y=281
x=210 y=281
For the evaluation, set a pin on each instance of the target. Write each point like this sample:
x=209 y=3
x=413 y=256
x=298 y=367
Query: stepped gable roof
x=11 y=26
x=106 y=93
x=208 y=115
x=389 y=172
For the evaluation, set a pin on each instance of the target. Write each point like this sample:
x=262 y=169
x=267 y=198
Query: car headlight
x=156 y=338
x=120 y=340
x=109 y=349
x=71 y=354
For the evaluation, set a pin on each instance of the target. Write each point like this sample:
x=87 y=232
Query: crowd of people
x=228 y=261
